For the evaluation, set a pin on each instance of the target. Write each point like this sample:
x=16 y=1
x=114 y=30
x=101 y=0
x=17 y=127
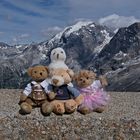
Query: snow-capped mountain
x=81 y=41
x=88 y=46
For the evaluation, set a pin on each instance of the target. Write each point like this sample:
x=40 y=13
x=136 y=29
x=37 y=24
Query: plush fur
x=38 y=74
x=85 y=79
x=63 y=77
x=58 y=57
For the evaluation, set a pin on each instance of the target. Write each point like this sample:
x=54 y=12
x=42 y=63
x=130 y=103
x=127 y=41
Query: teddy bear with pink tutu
x=95 y=97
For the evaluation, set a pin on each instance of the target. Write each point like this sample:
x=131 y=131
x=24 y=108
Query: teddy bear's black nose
x=40 y=73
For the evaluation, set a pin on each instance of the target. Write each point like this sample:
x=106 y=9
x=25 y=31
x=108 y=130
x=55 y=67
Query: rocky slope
x=88 y=46
x=120 y=121
x=120 y=59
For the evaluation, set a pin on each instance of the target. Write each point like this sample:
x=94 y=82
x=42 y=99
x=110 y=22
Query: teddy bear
x=67 y=98
x=36 y=93
x=92 y=88
x=58 y=57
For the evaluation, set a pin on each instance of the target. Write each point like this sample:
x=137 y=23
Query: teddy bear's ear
x=92 y=74
x=29 y=71
x=75 y=77
x=70 y=72
x=51 y=71
x=47 y=69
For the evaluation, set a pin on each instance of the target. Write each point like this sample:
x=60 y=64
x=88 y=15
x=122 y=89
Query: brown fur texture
x=61 y=77
x=67 y=75
x=84 y=79
x=103 y=80
x=38 y=74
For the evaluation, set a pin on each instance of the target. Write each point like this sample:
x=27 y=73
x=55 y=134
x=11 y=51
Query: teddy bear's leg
x=100 y=109
x=25 y=108
x=47 y=108
x=58 y=107
x=70 y=106
x=31 y=102
x=84 y=110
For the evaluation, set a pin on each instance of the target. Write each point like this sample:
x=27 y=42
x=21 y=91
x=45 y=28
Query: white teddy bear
x=58 y=57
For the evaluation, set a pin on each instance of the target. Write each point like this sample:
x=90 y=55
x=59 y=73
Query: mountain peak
x=4 y=45
x=71 y=29
x=135 y=26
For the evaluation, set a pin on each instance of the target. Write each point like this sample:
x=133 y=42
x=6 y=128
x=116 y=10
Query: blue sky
x=25 y=21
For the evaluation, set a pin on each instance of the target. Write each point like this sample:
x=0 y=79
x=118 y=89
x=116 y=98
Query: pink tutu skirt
x=94 y=97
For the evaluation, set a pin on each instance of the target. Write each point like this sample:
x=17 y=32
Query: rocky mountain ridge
x=88 y=46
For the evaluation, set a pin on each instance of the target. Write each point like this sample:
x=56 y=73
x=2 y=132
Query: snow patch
x=71 y=29
x=19 y=46
x=106 y=41
x=77 y=26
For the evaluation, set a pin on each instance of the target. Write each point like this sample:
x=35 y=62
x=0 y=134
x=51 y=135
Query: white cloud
x=18 y=39
x=24 y=35
x=116 y=21
x=49 y=32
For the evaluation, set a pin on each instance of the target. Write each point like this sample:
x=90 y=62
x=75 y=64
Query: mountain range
x=88 y=45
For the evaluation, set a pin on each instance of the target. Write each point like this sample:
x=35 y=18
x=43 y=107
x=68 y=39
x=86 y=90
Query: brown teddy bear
x=35 y=94
x=67 y=98
x=95 y=98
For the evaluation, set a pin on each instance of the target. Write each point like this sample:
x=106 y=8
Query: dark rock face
x=88 y=46
x=120 y=59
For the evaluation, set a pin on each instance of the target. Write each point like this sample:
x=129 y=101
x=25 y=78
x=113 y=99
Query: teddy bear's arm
x=76 y=94
x=25 y=93
x=74 y=91
x=103 y=80
x=27 y=90
x=51 y=93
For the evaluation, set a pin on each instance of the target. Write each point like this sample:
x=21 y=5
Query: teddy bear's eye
x=80 y=79
x=61 y=52
x=87 y=78
x=35 y=71
x=54 y=53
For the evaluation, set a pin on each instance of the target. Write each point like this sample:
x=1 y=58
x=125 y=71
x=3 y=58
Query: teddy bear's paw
x=99 y=109
x=51 y=95
x=70 y=108
x=79 y=99
x=59 y=109
x=22 y=98
x=25 y=108
x=84 y=110
x=46 y=108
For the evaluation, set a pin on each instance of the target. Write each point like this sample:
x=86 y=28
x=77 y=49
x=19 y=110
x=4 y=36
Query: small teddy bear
x=58 y=57
x=67 y=98
x=95 y=98
x=35 y=94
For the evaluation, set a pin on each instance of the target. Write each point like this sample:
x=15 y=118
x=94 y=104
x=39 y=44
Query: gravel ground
x=121 y=121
